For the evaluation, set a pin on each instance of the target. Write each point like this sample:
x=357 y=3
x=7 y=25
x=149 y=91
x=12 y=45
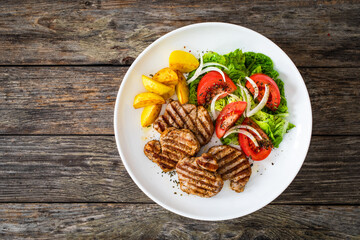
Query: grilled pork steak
x=233 y=165
x=174 y=145
x=197 y=175
x=196 y=119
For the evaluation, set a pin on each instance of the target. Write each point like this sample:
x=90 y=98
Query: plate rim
x=116 y=112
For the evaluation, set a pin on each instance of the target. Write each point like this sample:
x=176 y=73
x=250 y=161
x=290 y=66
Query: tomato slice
x=249 y=148
x=274 y=96
x=212 y=84
x=228 y=116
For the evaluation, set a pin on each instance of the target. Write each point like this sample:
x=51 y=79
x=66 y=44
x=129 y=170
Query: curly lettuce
x=274 y=126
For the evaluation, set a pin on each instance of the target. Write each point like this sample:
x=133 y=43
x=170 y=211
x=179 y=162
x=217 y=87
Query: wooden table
x=61 y=66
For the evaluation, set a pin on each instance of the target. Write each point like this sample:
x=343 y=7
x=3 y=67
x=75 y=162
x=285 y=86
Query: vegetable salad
x=238 y=66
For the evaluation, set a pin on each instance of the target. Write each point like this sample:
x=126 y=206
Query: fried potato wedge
x=182 y=90
x=168 y=95
x=149 y=114
x=154 y=86
x=147 y=99
x=183 y=61
x=166 y=76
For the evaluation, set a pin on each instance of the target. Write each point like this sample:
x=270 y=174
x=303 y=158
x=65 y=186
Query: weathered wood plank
x=80 y=100
x=88 y=169
x=144 y=221
x=321 y=33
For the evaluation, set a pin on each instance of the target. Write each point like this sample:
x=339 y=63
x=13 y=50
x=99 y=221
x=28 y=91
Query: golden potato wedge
x=183 y=61
x=166 y=76
x=168 y=95
x=149 y=114
x=154 y=86
x=147 y=99
x=182 y=90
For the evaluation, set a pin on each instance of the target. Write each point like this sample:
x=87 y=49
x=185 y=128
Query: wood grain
x=320 y=33
x=133 y=221
x=88 y=169
x=80 y=100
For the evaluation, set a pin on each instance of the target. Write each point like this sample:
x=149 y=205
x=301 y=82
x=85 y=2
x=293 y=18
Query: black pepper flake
x=175 y=192
x=171 y=174
x=251 y=165
x=272 y=163
x=151 y=75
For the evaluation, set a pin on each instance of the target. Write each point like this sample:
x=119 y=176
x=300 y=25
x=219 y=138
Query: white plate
x=270 y=177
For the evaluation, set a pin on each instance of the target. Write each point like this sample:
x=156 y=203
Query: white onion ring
x=197 y=72
x=248 y=99
x=246 y=127
x=256 y=93
x=237 y=99
x=214 y=64
x=212 y=106
x=213 y=101
x=208 y=69
x=246 y=133
x=262 y=102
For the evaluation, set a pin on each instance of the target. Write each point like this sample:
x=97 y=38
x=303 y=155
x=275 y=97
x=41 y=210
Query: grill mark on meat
x=201 y=130
x=166 y=162
x=207 y=162
x=170 y=120
x=176 y=152
x=199 y=189
x=204 y=117
x=185 y=117
x=233 y=165
x=231 y=173
x=167 y=159
x=231 y=155
x=182 y=142
x=242 y=174
x=238 y=183
x=171 y=110
x=221 y=153
x=193 y=115
x=189 y=108
x=179 y=147
x=187 y=189
x=195 y=173
x=174 y=145
x=162 y=124
x=167 y=121
x=196 y=170
x=215 y=151
x=230 y=160
x=195 y=181
x=188 y=116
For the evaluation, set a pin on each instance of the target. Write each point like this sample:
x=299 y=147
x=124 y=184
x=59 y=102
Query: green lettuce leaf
x=273 y=125
x=231 y=139
x=235 y=62
x=260 y=63
x=193 y=91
